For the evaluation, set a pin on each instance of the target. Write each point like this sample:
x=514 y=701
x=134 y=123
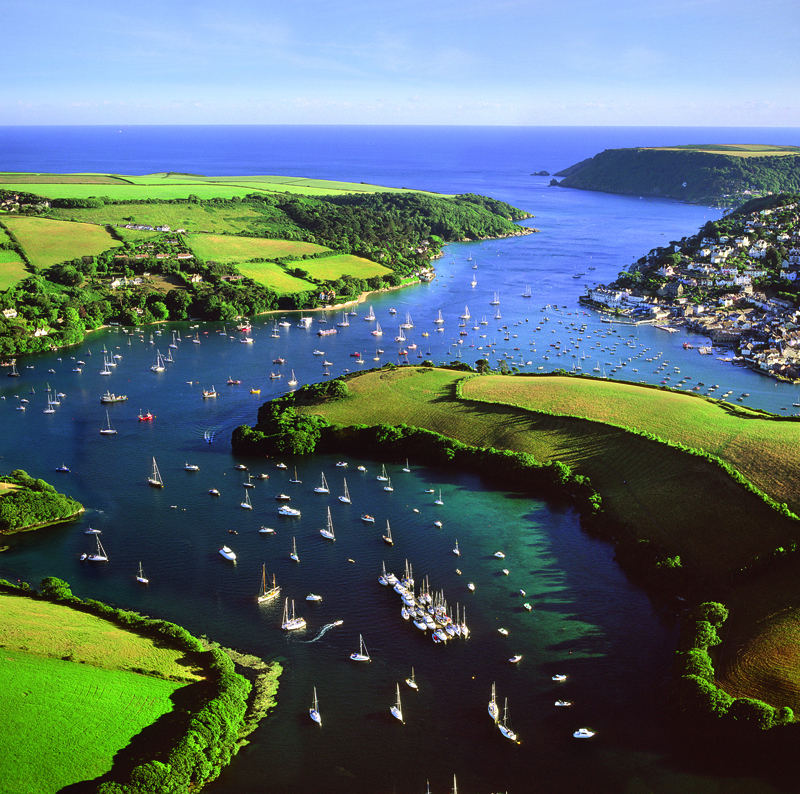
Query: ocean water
x=587 y=622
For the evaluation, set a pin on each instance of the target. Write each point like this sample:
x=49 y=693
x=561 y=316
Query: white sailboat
x=494 y=712
x=155 y=478
x=456 y=550
x=387 y=538
x=362 y=655
x=496 y=300
x=267 y=594
x=290 y=622
x=503 y=725
x=439 y=320
x=107 y=429
x=293 y=381
x=345 y=497
x=466 y=315
x=406 y=467
x=401 y=337
x=378 y=330
x=412 y=682
x=246 y=504
x=527 y=293
x=323 y=486
x=294 y=479
x=159 y=364
x=327 y=532
x=370 y=315
x=293 y=555
x=382 y=476
x=407 y=323
x=397 y=710
x=99 y=555
x=313 y=712
x=140 y=577
x=388 y=486
x=439 y=500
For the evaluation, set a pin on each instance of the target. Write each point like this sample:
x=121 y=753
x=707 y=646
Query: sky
x=506 y=62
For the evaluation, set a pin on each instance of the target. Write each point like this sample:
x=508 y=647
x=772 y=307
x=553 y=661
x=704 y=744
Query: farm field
x=227 y=249
x=47 y=242
x=64 y=723
x=69 y=698
x=330 y=268
x=660 y=492
x=171 y=186
x=12 y=269
x=736 y=150
x=763 y=449
x=275 y=277
x=192 y=217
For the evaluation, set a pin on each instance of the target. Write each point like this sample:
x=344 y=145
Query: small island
x=28 y=503
x=719 y=175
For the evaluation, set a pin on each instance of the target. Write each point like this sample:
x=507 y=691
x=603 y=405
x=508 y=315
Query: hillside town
x=736 y=283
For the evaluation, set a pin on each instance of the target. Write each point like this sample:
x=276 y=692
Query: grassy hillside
x=717 y=174
x=68 y=694
x=48 y=242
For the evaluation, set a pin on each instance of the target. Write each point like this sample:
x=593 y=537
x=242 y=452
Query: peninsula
x=101 y=248
x=720 y=175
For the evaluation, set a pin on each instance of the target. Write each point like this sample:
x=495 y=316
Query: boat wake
x=323 y=630
x=208 y=435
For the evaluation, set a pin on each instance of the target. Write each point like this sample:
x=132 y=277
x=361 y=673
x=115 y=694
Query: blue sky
x=529 y=62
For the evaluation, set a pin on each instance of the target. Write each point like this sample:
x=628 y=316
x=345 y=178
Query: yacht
x=285 y=510
x=227 y=553
x=584 y=733
x=362 y=655
x=290 y=622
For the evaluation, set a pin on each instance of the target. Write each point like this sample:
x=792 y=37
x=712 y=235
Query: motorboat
x=285 y=510
x=282 y=497
x=63 y=467
x=583 y=733
x=368 y=518
x=266 y=530
x=313 y=597
x=213 y=492
x=500 y=555
x=92 y=531
x=559 y=677
x=227 y=553
x=503 y=631
x=563 y=703
x=515 y=658
x=527 y=606
x=191 y=467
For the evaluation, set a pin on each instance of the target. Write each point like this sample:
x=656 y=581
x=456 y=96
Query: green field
x=12 y=269
x=172 y=186
x=64 y=723
x=274 y=277
x=763 y=449
x=330 y=268
x=65 y=720
x=227 y=249
x=47 y=242
x=734 y=149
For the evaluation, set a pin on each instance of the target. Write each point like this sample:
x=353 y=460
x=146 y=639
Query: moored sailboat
x=397 y=710
x=313 y=712
x=267 y=594
x=362 y=655
x=155 y=478
x=327 y=532
x=345 y=497
x=290 y=621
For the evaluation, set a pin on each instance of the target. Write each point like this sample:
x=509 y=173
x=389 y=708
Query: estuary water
x=587 y=621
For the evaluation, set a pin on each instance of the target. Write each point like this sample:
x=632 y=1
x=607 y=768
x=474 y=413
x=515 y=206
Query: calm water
x=585 y=613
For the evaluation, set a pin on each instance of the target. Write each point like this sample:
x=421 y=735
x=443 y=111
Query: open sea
x=587 y=621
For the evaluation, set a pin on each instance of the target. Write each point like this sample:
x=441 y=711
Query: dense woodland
x=697 y=177
x=402 y=231
x=30 y=502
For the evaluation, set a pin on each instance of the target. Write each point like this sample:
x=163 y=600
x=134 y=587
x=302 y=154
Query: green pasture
x=762 y=448
x=736 y=150
x=53 y=179
x=228 y=249
x=685 y=504
x=48 y=242
x=275 y=277
x=330 y=268
x=56 y=631
x=64 y=722
x=192 y=217
x=12 y=270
